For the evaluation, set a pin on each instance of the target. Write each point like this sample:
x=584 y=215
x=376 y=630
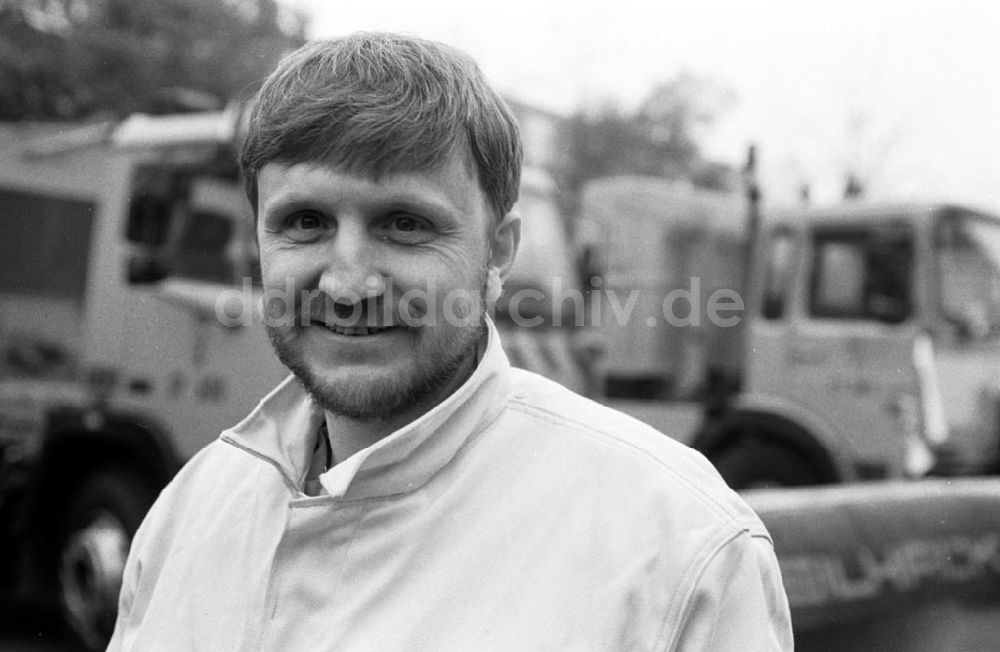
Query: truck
x=127 y=338
x=856 y=341
x=117 y=240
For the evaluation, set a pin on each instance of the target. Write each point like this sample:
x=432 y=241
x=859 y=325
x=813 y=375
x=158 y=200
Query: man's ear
x=503 y=245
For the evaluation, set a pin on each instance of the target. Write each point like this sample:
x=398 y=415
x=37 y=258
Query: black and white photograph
x=538 y=326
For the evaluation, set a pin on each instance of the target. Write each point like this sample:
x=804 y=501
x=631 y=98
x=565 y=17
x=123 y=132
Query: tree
x=867 y=145
x=659 y=138
x=64 y=59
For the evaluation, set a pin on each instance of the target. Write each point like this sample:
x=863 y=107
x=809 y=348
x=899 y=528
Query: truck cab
x=859 y=340
x=879 y=322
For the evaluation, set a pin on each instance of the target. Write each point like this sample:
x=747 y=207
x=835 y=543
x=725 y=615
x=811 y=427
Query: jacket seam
x=271 y=601
x=667 y=639
x=610 y=439
x=264 y=458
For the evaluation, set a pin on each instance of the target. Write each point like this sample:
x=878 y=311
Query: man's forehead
x=379 y=169
x=452 y=183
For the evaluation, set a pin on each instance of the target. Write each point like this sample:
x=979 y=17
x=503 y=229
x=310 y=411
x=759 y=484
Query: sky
x=908 y=93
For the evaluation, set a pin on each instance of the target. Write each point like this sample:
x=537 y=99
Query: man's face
x=380 y=281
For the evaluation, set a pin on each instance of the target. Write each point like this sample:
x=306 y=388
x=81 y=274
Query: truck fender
x=109 y=438
x=749 y=427
x=79 y=443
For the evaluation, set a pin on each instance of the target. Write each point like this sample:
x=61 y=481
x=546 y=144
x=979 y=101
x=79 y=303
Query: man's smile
x=356 y=331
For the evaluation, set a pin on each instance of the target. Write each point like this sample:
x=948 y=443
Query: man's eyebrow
x=421 y=205
x=287 y=201
x=284 y=204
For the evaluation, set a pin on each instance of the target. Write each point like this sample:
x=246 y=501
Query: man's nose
x=352 y=272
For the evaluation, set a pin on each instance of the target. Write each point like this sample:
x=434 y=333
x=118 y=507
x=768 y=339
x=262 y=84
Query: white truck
x=867 y=345
x=119 y=245
x=116 y=241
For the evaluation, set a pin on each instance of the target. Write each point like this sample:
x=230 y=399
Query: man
x=406 y=489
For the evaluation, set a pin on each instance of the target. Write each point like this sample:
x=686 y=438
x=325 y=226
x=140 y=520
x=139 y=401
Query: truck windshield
x=969 y=262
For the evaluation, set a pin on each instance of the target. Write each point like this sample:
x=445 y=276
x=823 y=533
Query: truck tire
x=757 y=465
x=93 y=547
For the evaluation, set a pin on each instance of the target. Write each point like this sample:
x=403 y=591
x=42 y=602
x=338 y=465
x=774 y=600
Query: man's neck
x=348 y=436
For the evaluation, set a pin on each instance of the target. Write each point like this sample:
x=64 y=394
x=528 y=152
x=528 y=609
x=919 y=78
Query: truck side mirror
x=970 y=322
x=145 y=269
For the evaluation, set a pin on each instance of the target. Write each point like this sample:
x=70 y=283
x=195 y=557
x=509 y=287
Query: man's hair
x=375 y=103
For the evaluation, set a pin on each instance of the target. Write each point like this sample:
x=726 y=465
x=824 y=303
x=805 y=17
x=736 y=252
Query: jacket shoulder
x=628 y=447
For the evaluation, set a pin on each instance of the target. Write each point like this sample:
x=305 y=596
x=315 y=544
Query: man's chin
x=379 y=392
x=357 y=392
x=364 y=395
x=371 y=395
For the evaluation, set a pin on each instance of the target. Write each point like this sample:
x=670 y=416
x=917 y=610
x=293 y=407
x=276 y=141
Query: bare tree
x=660 y=138
x=77 y=58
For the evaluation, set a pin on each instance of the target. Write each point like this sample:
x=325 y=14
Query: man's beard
x=389 y=396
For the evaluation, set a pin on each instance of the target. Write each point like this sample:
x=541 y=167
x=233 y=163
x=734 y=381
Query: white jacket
x=515 y=516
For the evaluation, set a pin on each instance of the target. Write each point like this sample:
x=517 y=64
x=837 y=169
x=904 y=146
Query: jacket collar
x=283 y=427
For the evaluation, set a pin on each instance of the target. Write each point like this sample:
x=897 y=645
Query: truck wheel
x=760 y=465
x=101 y=521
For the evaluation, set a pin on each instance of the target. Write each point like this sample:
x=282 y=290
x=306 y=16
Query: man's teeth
x=356 y=330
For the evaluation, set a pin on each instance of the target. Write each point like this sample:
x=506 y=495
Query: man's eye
x=407 y=224
x=408 y=229
x=305 y=221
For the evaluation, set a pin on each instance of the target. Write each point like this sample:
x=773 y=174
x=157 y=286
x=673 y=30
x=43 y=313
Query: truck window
x=779 y=272
x=968 y=255
x=44 y=244
x=862 y=275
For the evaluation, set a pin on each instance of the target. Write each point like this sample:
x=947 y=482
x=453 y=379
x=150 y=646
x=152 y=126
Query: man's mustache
x=413 y=308
x=372 y=312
